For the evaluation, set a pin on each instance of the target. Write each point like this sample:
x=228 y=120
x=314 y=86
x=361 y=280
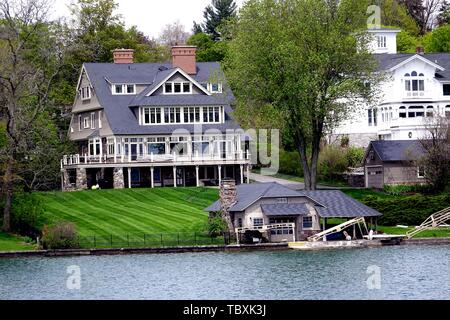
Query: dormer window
x=216 y=88
x=85 y=93
x=177 y=88
x=123 y=89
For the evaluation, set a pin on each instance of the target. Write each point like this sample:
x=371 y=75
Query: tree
x=309 y=71
x=31 y=57
x=424 y=12
x=173 y=34
x=438 y=40
x=406 y=43
x=216 y=14
x=395 y=14
x=436 y=161
x=197 y=28
x=207 y=49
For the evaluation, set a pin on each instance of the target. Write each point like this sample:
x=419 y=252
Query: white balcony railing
x=71 y=160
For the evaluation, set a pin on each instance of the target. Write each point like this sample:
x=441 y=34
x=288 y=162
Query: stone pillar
x=65 y=183
x=227 y=199
x=118 y=179
x=81 y=179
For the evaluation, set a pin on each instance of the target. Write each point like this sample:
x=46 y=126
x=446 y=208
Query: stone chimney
x=227 y=199
x=123 y=56
x=420 y=50
x=184 y=57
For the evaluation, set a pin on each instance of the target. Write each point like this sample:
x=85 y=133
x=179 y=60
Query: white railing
x=71 y=160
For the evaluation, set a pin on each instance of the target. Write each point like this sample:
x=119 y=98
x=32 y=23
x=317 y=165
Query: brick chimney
x=184 y=57
x=122 y=56
x=420 y=50
x=227 y=199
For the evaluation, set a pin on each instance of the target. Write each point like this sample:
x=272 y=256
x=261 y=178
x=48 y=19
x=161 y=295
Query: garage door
x=375 y=177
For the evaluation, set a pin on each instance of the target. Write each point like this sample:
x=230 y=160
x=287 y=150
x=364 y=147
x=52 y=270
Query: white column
x=175 y=177
x=242 y=174
x=197 y=176
x=220 y=174
x=248 y=174
x=152 y=177
x=115 y=150
x=129 y=178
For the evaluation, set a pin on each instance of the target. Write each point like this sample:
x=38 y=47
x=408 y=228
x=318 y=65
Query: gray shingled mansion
x=153 y=124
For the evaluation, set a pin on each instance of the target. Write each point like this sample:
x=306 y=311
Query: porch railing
x=70 y=160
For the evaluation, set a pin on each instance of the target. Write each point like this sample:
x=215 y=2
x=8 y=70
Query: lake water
x=406 y=272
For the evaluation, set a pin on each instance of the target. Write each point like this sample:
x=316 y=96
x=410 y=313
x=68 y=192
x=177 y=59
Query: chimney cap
x=420 y=50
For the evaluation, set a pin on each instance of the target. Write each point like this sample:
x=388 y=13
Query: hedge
x=412 y=210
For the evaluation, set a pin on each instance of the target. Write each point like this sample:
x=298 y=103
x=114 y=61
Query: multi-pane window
x=95 y=147
x=415 y=111
x=86 y=123
x=80 y=123
x=307 y=222
x=177 y=87
x=118 y=89
x=156 y=146
x=414 y=84
x=191 y=114
x=172 y=115
x=111 y=147
x=258 y=222
x=211 y=114
x=152 y=115
x=85 y=93
x=421 y=172
x=381 y=41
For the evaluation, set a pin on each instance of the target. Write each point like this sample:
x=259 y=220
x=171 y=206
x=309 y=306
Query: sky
x=150 y=16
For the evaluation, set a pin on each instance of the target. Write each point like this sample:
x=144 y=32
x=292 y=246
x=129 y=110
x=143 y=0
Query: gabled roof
x=122 y=118
x=329 y=203
x=398 y=150
x=418 y=57
x=391 y=61
x=164 y=76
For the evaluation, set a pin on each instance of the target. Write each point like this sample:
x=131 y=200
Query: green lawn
x=131 y=211
x=14 y=243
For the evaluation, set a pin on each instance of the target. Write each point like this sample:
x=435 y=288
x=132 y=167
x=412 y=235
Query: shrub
x=404 y=189
x=332 y=163
x=62 y=235
x=354 y=156
x=412 y=210
x=290 y=163
x=216 y=225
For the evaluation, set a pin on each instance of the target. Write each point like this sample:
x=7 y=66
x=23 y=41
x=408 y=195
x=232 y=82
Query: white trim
x=87 y=121
x=83 y=69
x=124 y=89
x=418 y=173
x=198 y=85
x=173 y=87
x=416 y=56
x=182 y=108
x=100 y=113
x=93 y=120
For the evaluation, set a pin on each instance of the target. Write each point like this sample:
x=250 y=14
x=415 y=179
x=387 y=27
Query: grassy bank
x=10 y=242
x=131 y=211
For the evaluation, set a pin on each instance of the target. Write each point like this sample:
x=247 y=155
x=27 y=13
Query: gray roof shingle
x=398 y=150
x=118 y=109
x=329 y=203
x=284 y=209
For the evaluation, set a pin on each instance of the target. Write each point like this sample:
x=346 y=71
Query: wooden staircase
x=433 y=221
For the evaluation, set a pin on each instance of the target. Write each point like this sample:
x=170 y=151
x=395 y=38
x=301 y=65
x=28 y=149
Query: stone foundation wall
x=118 y=178
x=81 y=179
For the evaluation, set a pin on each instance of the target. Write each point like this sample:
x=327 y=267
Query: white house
x=417 y=86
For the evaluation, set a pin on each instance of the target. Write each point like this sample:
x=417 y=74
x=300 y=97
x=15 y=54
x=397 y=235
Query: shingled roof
x=119 y=108
x=398 y=150
x=329 y=203
x=387 y=61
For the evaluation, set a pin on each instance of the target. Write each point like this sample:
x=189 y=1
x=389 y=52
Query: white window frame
x=80 y=123
x=382 y=42
x=86 y=123
x=85 y=93
x=418 y=172
x=182 y=83
x=95 y=142
x=203 y=111
x=258 y=219
x=93 y=120
x=409 y=79
x=99 y=119
x=124 y=87
x=219 y=89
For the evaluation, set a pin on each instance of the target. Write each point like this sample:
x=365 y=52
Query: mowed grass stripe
x=126 y=211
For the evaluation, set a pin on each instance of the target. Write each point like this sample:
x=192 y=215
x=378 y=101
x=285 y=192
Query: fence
x=151 y=240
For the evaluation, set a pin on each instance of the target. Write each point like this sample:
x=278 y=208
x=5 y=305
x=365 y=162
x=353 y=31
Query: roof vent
x=163 y=68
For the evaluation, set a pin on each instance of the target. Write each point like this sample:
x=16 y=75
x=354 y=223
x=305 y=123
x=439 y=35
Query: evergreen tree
x=216 y=14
